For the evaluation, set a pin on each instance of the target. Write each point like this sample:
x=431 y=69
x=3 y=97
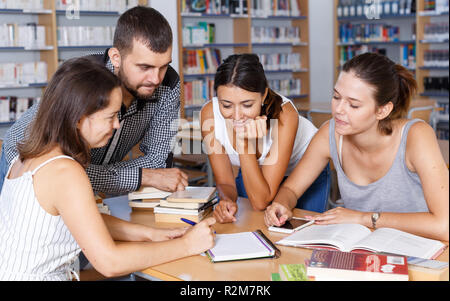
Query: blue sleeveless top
x=399 y=190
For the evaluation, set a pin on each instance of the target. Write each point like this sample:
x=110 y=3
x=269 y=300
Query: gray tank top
x=400 y=190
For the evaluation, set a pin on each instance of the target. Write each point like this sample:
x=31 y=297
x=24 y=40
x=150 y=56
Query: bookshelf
x=411 y=23
x=51 y=17
x=235 y=32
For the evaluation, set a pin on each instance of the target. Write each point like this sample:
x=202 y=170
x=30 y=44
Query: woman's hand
x=200 y=237
x=167 y=234
x=248 y=134
x=225 y=211
x=338 y=215
x=276 y=214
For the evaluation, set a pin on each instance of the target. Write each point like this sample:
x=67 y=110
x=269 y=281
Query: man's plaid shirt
x=155 y=122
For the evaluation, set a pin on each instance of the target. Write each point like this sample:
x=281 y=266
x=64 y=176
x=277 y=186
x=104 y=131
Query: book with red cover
x=345 y=266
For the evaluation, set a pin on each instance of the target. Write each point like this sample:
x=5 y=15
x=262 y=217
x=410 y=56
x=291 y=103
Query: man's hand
x=167 y=179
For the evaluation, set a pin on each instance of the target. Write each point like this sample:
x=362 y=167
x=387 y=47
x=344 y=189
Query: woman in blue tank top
x=390 y=170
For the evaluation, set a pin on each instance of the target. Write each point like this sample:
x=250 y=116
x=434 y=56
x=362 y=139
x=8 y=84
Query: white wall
x=168 y=8
x=321 y=49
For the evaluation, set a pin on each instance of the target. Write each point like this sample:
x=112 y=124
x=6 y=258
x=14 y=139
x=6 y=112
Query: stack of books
x=146 y=198
x=193 y=203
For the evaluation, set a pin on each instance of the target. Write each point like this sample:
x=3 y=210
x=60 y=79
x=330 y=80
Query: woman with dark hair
x=390 y=170
x=48 y=213
x=250 y=126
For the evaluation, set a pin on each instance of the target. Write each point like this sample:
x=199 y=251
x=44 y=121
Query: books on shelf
x=198 y=91
x=326 y=265
x=286 y=87
x=408 y=56
x=241 y=246
x=280 y=61
x=199 y=34
x=368 y=32
x=275 y=34
x=14 y=74
x=12 y=107
x=24 y=4
x=214 y=7
x=201 y=61
x=85 y=35
x=265 y=8
x=436 y=58
x=361 y=8
x=98 y=5
x=29 y=36
x=358 y=238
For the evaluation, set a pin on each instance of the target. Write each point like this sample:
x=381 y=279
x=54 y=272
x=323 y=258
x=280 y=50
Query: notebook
x=241 y=246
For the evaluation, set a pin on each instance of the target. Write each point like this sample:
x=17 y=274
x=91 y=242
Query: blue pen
x=188 y=221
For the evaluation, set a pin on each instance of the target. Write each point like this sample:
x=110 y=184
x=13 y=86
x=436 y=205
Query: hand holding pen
x=200 y=237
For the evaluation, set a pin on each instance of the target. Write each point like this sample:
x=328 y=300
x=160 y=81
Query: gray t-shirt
x=400 y=190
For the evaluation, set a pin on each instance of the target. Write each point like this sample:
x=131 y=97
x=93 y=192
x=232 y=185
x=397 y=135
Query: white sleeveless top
x=34 y=245
x=305 y=131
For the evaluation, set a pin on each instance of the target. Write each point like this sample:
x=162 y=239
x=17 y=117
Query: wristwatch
x=375 y=217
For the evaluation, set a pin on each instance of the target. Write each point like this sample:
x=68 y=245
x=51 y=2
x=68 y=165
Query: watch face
x=375 y=216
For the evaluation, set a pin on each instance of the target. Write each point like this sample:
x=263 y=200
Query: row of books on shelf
x=199 y=33
x=96 y=5
x=437 y=84
x=85 y=35
x=286 y=87
x=436 y=58
x=439 y=6
x=214 y=7
x=13 y=107
x=265 y=8
x=201 y=61
x=442 y=130
x=281 y=61
x=30 y=35
x=22 y=4
x=197 y=92
x=360 y=8
x=193 y=203
x=368 y=32
x=408 y=56
x=436 y=31
x=407 y=53
x=275 y=34
x=12 y=74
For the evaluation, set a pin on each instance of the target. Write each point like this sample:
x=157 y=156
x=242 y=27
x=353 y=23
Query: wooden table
x=200 y=268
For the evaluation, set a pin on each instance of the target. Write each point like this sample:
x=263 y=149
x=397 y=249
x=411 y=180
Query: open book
x=242 y=245
x=355 y=237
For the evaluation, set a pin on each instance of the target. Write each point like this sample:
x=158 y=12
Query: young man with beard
x=140 y=57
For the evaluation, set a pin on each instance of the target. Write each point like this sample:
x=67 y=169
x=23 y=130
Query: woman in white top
x=48 y=213
x=250 y=126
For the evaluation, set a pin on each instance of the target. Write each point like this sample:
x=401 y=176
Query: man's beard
x=132 y=91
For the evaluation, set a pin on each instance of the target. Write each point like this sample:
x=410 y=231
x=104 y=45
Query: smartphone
x=292 y=225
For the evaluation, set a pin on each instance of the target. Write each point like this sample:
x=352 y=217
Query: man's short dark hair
x=145 y=24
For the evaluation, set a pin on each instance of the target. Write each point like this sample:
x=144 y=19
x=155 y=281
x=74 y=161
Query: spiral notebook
x=242 y=246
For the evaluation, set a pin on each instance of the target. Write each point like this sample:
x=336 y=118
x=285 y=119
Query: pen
x=188 y=221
